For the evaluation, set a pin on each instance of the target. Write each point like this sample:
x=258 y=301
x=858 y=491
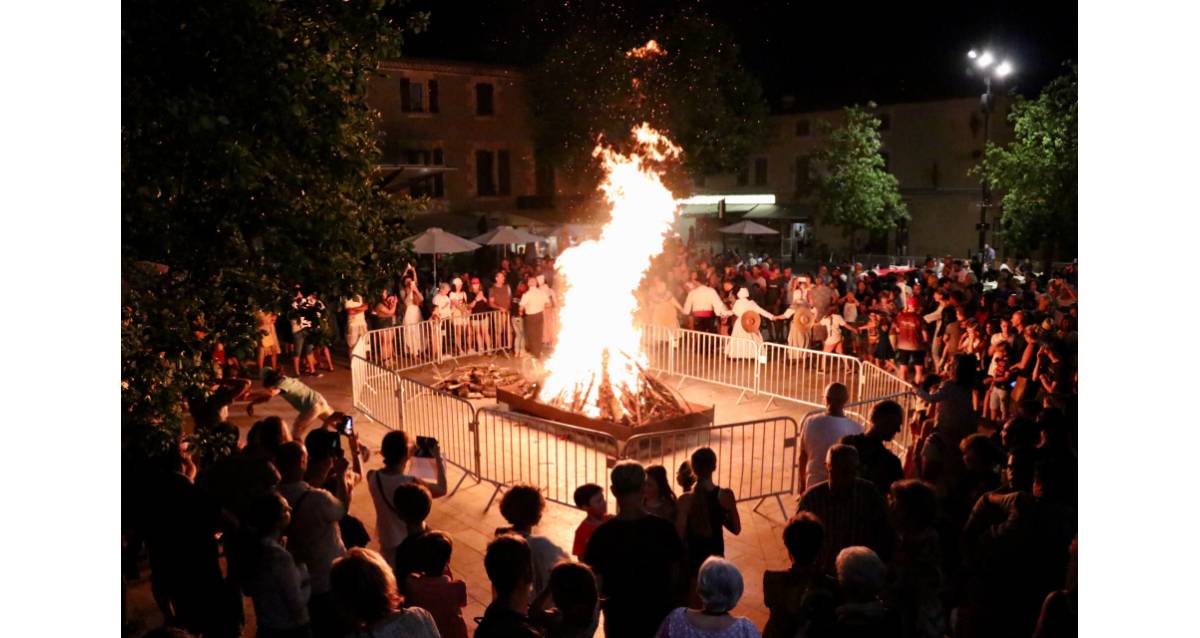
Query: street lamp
x=983 y=63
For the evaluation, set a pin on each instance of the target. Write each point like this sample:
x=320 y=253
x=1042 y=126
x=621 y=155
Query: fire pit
x=692 y=416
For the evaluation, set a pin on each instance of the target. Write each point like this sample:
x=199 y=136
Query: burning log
x=478 y=382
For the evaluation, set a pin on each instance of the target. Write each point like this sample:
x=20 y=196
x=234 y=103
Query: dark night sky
x=824 y=56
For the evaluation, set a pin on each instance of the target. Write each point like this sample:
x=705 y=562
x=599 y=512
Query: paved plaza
x=462 y=514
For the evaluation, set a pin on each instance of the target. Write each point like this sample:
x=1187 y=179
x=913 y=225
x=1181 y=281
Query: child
x=413 y=502
x=433 y=590
x=589 y=498
x=998 y=379
x=522 y=506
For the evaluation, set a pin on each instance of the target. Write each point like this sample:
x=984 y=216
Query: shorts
x=998 y=396
x=910 y=357
x=303 y=342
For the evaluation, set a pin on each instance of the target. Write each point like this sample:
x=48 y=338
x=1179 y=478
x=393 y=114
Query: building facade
x=928 y=146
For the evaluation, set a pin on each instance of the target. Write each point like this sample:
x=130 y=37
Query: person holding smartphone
x=397 y=451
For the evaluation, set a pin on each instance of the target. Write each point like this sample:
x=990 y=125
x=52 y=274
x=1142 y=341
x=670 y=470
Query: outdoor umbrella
x=435 y=240
x=747 y=228
x=505 y=235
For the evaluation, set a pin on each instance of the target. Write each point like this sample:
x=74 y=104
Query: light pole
x=984 y=64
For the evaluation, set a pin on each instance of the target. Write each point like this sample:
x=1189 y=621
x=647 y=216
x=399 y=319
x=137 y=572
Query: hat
x=456 y=281
x=475 y=280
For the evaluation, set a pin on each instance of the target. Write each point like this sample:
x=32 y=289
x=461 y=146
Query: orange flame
x=597 y=334
x=646 y=51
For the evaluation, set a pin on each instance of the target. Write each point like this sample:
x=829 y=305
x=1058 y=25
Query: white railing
x=435 y=340
x=755 y=459
x=691 y=354
x=554 y=457
x=800 y=375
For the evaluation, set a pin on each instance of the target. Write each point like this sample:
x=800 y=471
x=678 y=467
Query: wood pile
x=651 y=402
x=478 y=382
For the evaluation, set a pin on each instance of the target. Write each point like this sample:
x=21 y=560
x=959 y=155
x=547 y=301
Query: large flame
x=598 y=339
x=649 y=50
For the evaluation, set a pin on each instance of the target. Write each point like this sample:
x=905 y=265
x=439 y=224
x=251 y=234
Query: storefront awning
x=399 y=175
x=801 y=212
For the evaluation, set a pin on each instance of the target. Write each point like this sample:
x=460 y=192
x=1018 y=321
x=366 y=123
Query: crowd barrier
x=555 y=457
x=755 y=459
x=436 y=340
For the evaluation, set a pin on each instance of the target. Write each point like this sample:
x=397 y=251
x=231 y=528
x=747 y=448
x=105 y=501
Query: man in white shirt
x=702 y=306
x=533 y=303
x=820 y=433
x=314 y=538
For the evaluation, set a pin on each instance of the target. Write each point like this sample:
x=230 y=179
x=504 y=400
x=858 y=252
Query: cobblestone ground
x=462 y=513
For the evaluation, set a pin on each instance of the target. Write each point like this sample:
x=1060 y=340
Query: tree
x=1038 y=172
x=692 y=87
x=247 y=165
x=854 y=188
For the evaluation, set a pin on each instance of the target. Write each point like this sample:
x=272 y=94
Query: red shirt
x=583 y=533
x=908 y=331
x=442 y=598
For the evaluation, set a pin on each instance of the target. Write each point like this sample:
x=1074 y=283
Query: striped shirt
x=857 y=517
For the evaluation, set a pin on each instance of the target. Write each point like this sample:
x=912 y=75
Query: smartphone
x=426 y=445
x=1012 y=384
x=346 y=427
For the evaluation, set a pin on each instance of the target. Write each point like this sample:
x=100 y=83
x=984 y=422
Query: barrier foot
x=740 y=397
x=770 y=402
x=782 y=509
x=492 y=499
x=459 y=483
x=681 y=380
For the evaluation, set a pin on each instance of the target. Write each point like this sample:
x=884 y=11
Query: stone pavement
x=461 y=513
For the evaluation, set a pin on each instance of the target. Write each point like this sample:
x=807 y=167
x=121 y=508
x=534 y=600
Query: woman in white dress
x=743 y=344
x=458 y=314
x=802 y=316
x=413 y=341
x=550 y=314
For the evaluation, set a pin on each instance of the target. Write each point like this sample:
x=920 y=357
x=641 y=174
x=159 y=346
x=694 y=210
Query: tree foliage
x=854 y=188
x=247 y=165
x=1038 y=172
x=696 y=91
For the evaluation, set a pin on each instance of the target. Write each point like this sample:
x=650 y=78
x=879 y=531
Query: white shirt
x=314 y=537
x=534 y=301
x=356 y=319
x=816 y=437
x=702 y=298
x=833 y=325
x=850 y=311
x=441 y=306
x=389 y=529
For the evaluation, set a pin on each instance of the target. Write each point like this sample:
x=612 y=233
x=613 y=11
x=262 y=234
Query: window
x=545 y=178
x=885 y=121
x=484 y=104
x=485 y=180
x=760 y=171
x=803 y=128
x=803 y=175
x=434 y=185
x=743 y=176
x=504 y=173
x=412 y=96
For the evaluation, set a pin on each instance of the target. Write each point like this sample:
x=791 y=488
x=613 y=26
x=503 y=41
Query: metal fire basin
x=701 y=416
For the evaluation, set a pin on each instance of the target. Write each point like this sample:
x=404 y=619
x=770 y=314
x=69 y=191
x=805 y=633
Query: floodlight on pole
x=972 y=54
x=1003 y=69
x=984 y=60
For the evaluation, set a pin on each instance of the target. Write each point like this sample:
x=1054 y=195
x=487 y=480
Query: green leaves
x=247 y=165
x=1038 y=171
x=854 y=188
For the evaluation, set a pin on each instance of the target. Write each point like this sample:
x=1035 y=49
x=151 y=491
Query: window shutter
x=405 y=95
x=433 y=96
x=505 y=173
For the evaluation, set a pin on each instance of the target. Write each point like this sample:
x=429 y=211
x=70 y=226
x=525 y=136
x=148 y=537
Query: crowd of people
x=971 y=534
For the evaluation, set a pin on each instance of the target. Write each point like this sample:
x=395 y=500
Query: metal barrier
x=755 y=459
x=798 y=374
x=554 y=457
x=877 y=382
x=708 y=357
x=435 y=340
x=400 y=403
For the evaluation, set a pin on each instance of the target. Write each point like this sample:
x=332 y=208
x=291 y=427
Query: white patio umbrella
x=505 y=235
x=435 y=240
x=746 y=227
